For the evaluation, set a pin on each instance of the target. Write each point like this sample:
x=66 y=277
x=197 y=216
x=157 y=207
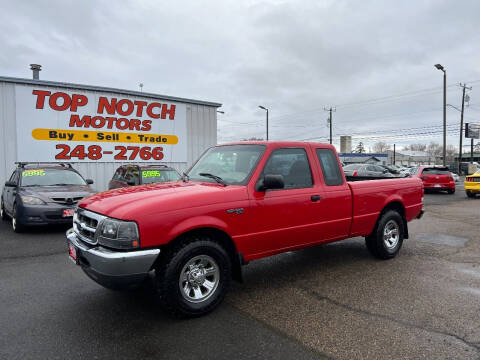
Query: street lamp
x=264 y=108
x=440 y=67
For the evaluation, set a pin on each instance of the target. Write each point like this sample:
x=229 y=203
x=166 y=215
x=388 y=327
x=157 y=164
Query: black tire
x=386 y=249
x=451 y=191
x=3 y=214
x=17 y=226
x=470 y=194
x=173 y=265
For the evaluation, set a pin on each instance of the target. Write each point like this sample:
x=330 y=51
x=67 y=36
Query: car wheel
x=470 y=194
x=451 y=191
x=193 y=277
x=386 y=239
x=17 y=226
x=3 y=214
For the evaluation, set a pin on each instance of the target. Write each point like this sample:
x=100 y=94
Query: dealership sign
x=55 y=124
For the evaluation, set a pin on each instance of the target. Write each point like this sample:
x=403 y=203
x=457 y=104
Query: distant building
x=345 y=144
x=356 y=158
x=410 y=158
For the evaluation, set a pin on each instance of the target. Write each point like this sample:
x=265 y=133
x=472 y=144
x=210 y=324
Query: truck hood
x=133 y=202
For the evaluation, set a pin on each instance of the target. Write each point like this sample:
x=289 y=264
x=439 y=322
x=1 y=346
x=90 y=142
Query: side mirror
x=272 y=182
x=89 y=181
x=10 y=184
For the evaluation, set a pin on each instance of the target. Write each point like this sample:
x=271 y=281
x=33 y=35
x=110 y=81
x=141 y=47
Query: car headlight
x=118 y=234
x=30 y=200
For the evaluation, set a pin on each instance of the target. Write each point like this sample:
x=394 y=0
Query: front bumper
x=42 y=214
x=110 y=268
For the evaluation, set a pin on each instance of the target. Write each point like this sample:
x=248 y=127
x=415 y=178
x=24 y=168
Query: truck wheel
x=470 y=194
x=17 y=226
x=387 y=237
x=3 y=214
x=193 y=277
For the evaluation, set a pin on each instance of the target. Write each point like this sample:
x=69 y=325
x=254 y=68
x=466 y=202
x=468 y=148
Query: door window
x=293 y=165
x=330 y=168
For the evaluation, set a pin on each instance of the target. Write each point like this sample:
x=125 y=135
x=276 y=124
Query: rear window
x=330 y=169
x=436 y=171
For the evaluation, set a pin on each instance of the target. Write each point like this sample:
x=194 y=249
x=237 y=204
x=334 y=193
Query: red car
x=436 y=178
x=239 y=202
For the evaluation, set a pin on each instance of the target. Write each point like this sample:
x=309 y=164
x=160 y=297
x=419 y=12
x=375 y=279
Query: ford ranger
x=239 y=202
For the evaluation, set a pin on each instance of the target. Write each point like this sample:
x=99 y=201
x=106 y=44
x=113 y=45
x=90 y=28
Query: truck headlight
x=118 y=234
x=30 y=200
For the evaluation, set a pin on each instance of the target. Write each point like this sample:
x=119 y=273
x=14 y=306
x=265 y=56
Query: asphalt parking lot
x=333 y=301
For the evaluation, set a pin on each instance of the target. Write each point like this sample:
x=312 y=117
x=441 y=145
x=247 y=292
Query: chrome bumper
x=112 y=268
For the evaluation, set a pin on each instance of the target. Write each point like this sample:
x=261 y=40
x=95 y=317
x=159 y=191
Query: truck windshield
x=50 y=177
x=232 y=163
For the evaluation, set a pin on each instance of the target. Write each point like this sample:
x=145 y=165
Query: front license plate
x=68 y=212
x=72 y=252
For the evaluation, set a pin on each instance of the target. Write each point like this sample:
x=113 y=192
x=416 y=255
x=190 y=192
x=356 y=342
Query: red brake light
x=355 y=173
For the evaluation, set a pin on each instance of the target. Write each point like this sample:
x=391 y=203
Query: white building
x=97 y=129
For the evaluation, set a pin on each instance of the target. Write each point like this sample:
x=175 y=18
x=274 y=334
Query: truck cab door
x=288 y=217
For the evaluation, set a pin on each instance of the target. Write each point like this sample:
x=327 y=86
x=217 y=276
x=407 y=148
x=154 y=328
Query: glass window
x=436 y=171
x=293 y=165
x=330 y=169
x=50 y=177
x=233 y=163
x=159 y=175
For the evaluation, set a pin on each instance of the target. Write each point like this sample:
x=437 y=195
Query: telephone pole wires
x=330 y=124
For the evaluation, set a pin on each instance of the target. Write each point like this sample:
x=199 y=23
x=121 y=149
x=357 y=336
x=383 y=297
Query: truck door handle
x=315 y=197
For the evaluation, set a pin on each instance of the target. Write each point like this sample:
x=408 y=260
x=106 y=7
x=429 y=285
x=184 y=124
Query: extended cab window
x=330 y=168
x=293 y=165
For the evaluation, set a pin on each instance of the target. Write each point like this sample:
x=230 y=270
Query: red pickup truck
x=239 y=202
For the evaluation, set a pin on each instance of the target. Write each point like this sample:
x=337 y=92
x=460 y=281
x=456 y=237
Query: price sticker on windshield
x=36 y=172
x=151 y=173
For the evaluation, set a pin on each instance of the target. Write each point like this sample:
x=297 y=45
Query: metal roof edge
x=106 y=89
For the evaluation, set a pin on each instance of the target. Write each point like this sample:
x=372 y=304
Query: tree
x=434 y=149
x=416 y=147
x=360 y=148
x=381 y=147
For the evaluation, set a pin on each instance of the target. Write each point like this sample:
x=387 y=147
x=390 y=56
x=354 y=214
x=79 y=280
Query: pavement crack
x=404 y=323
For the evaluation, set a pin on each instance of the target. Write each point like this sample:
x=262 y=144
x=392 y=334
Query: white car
x=455 y=177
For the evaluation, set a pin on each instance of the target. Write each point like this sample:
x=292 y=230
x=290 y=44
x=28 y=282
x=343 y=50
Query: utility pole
x=464 y=86
x=393 y=154
x=441 y=68
x=330 y=120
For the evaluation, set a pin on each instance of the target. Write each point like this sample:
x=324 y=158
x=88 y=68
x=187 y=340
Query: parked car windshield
x=151 y=176
x=49 y=177
x=435 y=171
x=232 y=163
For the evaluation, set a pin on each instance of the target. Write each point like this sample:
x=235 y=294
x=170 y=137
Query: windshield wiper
x=218 y=179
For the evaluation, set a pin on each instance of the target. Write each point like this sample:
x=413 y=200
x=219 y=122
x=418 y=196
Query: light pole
x=264 y=108
x=440 y=67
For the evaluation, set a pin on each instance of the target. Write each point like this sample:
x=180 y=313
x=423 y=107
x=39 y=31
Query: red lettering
x=109 y=107
x=171 y=112
x=78 y=100
x=120 y=109
x=146 y=125
x=150 y=113
x=122 y=123
x=98 y=122
x=135 y=124
x=140 y=105
x=75 y=121
x=54 y=104
x=41 y=94
x=110 y=121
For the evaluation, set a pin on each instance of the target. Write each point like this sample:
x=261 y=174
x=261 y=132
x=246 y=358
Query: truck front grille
x=85 y=224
